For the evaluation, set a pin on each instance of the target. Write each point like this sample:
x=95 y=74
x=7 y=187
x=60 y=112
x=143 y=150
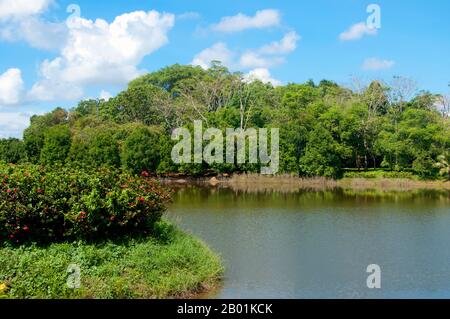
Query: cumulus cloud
x=105 y=95
x=270 y=54
x=240 y=22
x=12 y=124
x=218 y=52
x=98 y=52
x=264 y=57
x=11 y=87
x=287 y=45
x=36 y=32
x=19 y=21
x=251 y=59
x=262 y=75
x=357 y=31
x=375 y=64
x=17 y=9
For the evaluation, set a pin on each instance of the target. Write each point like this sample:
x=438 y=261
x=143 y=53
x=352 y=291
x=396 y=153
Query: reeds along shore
x=286 y=182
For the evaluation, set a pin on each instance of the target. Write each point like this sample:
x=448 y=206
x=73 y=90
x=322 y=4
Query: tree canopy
x=325 y=128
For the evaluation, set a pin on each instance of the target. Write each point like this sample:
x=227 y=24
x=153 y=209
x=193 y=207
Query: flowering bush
x=56 y=204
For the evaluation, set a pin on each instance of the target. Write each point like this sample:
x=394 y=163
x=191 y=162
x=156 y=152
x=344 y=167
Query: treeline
x=324 y=128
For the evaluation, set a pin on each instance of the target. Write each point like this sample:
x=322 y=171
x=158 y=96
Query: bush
x=56 y=145
x=12 y=150
x=56 y=204
x=140 y=150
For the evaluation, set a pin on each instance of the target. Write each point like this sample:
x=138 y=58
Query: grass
x=290 y=183
x=380 y=173
x=177 y=266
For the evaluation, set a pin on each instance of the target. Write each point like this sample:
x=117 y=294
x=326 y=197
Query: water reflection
x=317 y=244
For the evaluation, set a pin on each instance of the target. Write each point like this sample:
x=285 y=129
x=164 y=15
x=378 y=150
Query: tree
x=145 y=103
x=376 y=99
x=140 y=150
x=443 y=164
x=12 y=150
x=96 y=146
x=322 y=156
x=34 y=135
x=57 y=141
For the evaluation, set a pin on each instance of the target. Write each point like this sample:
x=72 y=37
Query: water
x=318 y=244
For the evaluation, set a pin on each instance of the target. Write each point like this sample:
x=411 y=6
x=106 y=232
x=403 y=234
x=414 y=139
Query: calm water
x=318 y=244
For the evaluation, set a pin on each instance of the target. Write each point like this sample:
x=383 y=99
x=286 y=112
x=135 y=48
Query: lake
x=318 y=244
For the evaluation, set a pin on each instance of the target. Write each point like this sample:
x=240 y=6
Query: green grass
x=379 y=173
x=178 y=266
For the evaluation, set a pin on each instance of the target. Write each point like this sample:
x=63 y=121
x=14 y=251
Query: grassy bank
x=177 y=265
x=257 y=182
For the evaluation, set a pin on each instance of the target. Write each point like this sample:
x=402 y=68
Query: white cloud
x=262 y=75
x=51 y=88
x=19 y=21
x=218 y=52
x=11 y=87
x=357 y=31
x=262 y=19
x=98 y=52
x=12 y=124
x=17 y=9
x=36 y=32
x=270 y=54
x=252 y=59
x=265 y=57
x=191 y=15
x=287 y=45
x=105 y=95
x=375 y=64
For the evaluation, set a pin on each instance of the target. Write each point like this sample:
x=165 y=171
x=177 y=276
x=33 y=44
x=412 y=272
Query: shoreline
x=281 y=182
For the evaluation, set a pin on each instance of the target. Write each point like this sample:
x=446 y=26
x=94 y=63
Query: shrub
x=140 y=150
x=57 y=204
x=56 y=145
x=12 y=150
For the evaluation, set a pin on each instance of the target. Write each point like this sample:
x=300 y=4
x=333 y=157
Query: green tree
x=12 y=150
x=443 y=164
x=322 y=155
x=57 y=141
x=140 y=150
x=34 y=135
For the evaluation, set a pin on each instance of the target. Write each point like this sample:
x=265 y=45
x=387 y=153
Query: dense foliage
x=324 y=128
x=55 y=204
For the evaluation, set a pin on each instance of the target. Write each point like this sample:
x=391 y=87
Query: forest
x=326 y=129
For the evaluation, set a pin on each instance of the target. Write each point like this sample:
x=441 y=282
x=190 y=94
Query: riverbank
x=256 y=182
x=176 y=265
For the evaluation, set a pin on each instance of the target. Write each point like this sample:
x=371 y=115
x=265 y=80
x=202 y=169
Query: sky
x=56 y=53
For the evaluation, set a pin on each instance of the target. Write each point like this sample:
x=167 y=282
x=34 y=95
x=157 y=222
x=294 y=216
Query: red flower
x=82 y=215
x=141 y=199
x=145 y=174
x=26 y=228
x=11 y=236
x=39 y=191
x=8 y=191
x=112 y=218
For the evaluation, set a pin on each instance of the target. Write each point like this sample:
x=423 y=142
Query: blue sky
x=46 y=62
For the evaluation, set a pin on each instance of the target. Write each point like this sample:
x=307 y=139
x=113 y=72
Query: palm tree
x=443 y=164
